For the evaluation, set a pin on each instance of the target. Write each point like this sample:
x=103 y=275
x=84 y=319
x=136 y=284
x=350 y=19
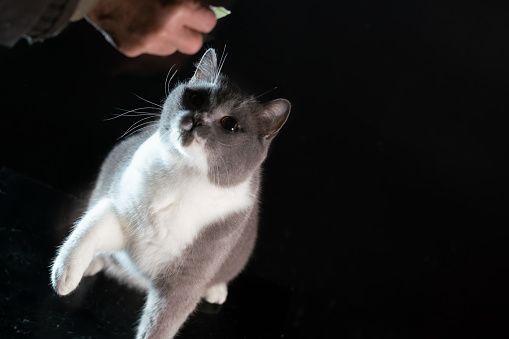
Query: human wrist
x=53 y=20
x=81 y=10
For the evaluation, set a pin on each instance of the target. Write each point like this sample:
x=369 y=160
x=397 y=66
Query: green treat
x=220 y=12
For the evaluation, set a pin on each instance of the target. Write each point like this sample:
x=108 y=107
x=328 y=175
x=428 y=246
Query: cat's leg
x=95 y=266
x=216 y=294
x=166 y=310
x=120 y=267
x=99 y=230
x=171 y=298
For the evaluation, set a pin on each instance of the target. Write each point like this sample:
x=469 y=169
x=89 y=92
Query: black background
x=384 y=207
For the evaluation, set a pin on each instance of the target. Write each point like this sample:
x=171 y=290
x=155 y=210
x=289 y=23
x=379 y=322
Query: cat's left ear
x=207 y=68
x=274 y=115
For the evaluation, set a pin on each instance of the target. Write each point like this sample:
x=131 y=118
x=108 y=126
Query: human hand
x=158 y=27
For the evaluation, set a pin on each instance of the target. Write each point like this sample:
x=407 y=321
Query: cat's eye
x=229 y=123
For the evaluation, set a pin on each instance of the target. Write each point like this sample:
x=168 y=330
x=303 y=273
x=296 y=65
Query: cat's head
x=218 y=127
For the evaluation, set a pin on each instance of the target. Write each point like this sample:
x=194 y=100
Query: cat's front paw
x=68 y=269
x=216 y=294
x=65 y=276
x=95 y=266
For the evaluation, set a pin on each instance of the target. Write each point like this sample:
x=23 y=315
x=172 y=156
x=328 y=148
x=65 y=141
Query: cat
x=174 y=211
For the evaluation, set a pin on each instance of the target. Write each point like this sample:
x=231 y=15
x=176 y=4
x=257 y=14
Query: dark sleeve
x=35 y=19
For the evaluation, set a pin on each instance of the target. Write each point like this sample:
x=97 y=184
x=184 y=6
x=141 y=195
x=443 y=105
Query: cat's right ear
x=206 y=70
x=274 y=116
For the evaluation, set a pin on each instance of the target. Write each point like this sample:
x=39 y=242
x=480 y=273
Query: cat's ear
x=274 y=116
x=206 y=70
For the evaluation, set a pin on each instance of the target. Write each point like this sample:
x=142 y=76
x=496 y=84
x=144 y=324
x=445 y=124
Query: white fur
x=99 y=230
x=163 y=201
x=181 y=208
x=216 y=294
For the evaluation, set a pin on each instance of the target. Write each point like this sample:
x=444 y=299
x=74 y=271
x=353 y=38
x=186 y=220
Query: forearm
x=38 y=19
x=134 y=27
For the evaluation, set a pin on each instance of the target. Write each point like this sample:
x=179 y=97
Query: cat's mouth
x=187 y=136
x=188 y=125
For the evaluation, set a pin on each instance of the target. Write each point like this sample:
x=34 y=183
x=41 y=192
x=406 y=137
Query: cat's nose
x=187 y=123
x=191 y=121
x=197 y=119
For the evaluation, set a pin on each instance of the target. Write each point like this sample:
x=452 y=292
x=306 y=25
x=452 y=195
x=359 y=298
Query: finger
x=153 y=50
x=165 y=42
x=148 y=46
x=182 y=32
x=154 y=47
x=197 y=17
x=187 y=40
x=133 y=50
x=160 y=49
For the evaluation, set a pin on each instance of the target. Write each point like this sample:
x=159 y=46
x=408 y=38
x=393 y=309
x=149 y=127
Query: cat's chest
x=177 y=209
x=180 y=210
x=168 y=204
x=197 y=202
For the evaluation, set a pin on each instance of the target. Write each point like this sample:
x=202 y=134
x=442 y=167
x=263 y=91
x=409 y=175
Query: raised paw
x=216 y=294
x=65 y=277
x=95 y=266
x=68 y=269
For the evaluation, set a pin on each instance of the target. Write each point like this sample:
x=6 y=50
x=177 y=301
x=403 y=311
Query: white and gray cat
x=175 y=209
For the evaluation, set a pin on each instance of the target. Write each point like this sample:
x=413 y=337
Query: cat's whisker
x=224 y=144
x=137 y=125
x=248 y=101
x=167 y=85
x=166 y=82
x=140 y=129
x=137 y=111
x=270 y=90
x=141 y=114
x=214 y=174
x=144 y=125
x=221 y=66
x=226 y=169
x=146 y=100
x=165 y=133
x=221 y=63
x=217 y=174
x=134 y=115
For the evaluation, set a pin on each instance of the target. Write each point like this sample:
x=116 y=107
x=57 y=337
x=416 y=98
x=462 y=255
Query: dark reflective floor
x=384 y=208
x=101 y=308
